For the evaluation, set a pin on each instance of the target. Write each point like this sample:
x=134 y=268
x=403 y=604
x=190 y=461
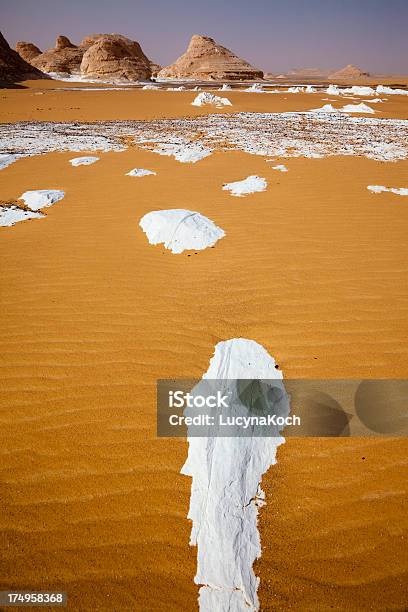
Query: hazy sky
x=273 y=35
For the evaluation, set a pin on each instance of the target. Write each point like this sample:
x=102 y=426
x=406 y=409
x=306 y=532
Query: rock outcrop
x=64 y=57
x=113 y=56
x=27 y=50
x=207 y=60
x=349 y=72
x=13 y=67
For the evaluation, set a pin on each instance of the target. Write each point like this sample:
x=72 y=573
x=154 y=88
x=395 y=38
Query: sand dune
x=91 y=500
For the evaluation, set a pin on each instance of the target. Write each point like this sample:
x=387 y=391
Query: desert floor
x=314 y=269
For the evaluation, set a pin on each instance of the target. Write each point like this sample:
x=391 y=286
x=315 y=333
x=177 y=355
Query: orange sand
x=314 y=269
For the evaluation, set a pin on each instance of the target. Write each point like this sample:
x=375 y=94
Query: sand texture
x=313 y=268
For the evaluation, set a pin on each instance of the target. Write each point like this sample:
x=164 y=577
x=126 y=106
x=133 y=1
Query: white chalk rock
x=6 y=159
x=382 y=89
x=326 y=108
x=41 y=198
x=205 y=97
x=251 y=184
x=150 y=87
x=280 y=167
x=357 y=108
x=180 y=230
x=225 y=491
x=140 y=172
x=83 y=161
x=11 y=215
x=184 y=153
x=402 y=191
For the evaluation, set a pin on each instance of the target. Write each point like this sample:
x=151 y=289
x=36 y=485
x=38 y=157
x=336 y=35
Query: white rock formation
x=83 y=161
x=41 y=198
x=180 y=230
x=140 y=172
x=402 y=191
x=225 y=491
x=251 y=184
x=11 y=215
x=205 y=97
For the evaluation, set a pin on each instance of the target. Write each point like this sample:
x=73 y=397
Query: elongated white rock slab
x=251 y=184
x=139 y=172
x=207 y=98
x=280 y=167
x=402 y=191
x=6 y=159
x=83 y=161
x=179 y=230
x=225 y=491
x=184 y=153
x=13 y=214
x=41 y=198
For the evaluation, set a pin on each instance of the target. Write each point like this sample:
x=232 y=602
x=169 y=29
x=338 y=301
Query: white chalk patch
x=225 y=87
x=180 y=230
x=181 y=88
x=251 y=184
x=11 y=215
x=280 y=167
x=226 y=476
x=357 y=108
x=83 y=161
x=41 y=198
x=207 y=98
x=7 y=159
x=374 y=100
x=150 y=87
x=184 y=153
x=402 y=191
x=140 y=172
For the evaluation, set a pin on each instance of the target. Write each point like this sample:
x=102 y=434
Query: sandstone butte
x=64 y=57
x=349 y=72
x=27 y=50
x=207 y=60
x=13 y=67
x=115 y=56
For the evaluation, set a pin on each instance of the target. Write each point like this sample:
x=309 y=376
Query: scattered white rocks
x=11 y=215
x=381 y=89
x=41 y=198
x=184 y=153
x=207 y=98
x=402 y=191
x=140 y=172
x=278 y=135
x=226 y=475
x=251 y=184
x=83 y=161
x=348 y=108
x=180 y=230
x=280 y=167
